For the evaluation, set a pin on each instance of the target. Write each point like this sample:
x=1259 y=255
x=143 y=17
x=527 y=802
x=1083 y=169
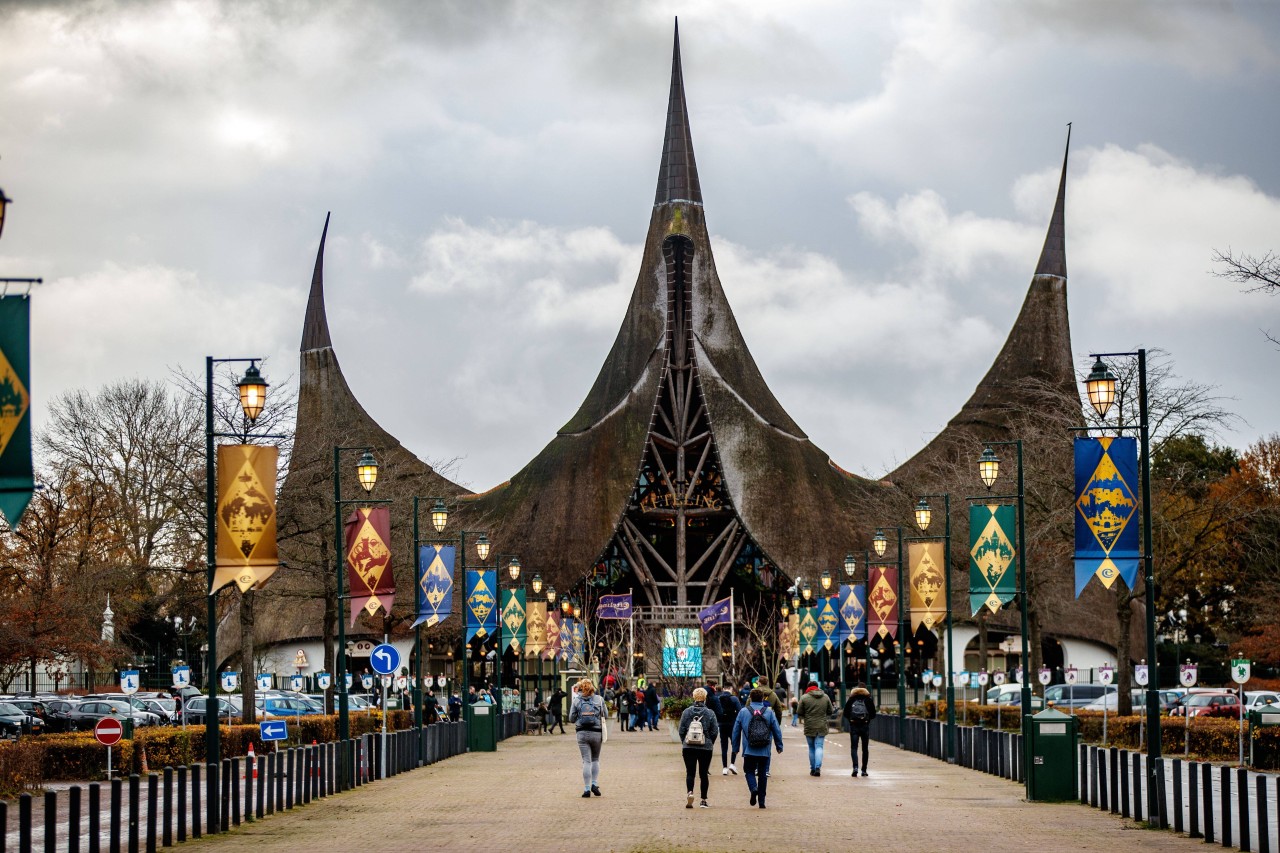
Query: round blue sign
x=384 y=659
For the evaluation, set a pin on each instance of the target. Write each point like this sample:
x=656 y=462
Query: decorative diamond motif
x=14 y=402
x=1107 y=502
x=993 y=553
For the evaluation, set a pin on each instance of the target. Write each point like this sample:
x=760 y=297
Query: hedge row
x=27 y=764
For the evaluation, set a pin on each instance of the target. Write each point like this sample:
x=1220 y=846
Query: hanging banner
x=579 y=644
x=717 y=613
x=482 y=604
x=853 y=612
x=369 y=577
x=535 y=617
x=514 y=632
x=787 y=638
x=926 y=564
x=808 y=629
x=614 y=606
x=993 y=581
x=882 y=601
x=1106 y=530
x=566 y=638
x=828 y=618
x=435 y=584
x=552 y=649
x=246 y=515
x=17 y=479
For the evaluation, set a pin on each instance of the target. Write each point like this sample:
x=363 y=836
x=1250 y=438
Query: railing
x=669 y=614
x=989 y=750
x=186 y=802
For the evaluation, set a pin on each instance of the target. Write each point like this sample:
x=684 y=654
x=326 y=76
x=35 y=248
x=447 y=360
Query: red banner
x=882 y=602
x=369 y=577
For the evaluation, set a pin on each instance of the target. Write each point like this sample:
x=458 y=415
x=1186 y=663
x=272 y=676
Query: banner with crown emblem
x=882 y=601
x=369 y=577
x=246 y=515
x=853 y=612
x=828 y=618
x=535 y=619
x=926 y=563
x=809 y=629
x=1106 y=506
x=552 y=649
x=17 y=478
x=993 y=582
x=514 y=630
x=482 y=604
x=566 y=638
x=435 y=584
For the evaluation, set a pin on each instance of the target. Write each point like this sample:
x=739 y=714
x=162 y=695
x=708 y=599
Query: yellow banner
x=928 y=584
x=246 y=516
x=536 y=620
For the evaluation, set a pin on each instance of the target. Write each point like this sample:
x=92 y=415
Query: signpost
x=264 y=681
x=1187 y=678
x=998 y=678
x=295 y=683
x=1140 y=678
x=1240 y=674
x=385 y=660
x=129 y=682
x=108 y=732
x=230 y=682
x=181 y=679
x=324 y=681
x=273 y=730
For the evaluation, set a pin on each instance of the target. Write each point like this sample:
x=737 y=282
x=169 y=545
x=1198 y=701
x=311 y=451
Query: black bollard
x=182 y=804
x=1206 y=779
x=73 y=820
x=1242 y=806
x=299 y=781
x=50 y=822
x=288 y=788
x=95 y=810
x=153 y=810
x=232 y=787
x=24 y=823
x=224 y=812
x=135 y=790
x=113 y=827
x=195 y=800
x=1264 y=836
x=167 y=840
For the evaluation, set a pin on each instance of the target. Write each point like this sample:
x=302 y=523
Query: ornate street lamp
x=253 y=392
x=805 y=591
x=850 y=566
x=551 y=595
x=367 y=471
x=482 y=547
x=1101 y=387
x=439 y=516
x=536 y=583
x=988 y=467
x=785 y=609
x=795 y=602
x=513 y=569
x=924 y=514
x=880 y=542
x=825 y=580
x=577 y=610
x=566 y=606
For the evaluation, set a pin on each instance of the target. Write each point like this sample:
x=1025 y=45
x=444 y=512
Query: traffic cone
x=145 y=769
x=253 y=760
x=315 y=763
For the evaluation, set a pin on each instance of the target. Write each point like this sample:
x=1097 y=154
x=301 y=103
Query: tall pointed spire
x=678 y=174
x=1053 y=258
x=315 y=327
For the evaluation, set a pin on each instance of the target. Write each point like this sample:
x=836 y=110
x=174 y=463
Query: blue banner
x=1106 y=510
x=853 y=612
x=614 y=606
x=566 y=638
x=719 y=613
x=482 y=604
x=435 y=584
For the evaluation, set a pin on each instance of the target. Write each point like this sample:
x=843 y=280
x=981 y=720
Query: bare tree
x=1256 y=272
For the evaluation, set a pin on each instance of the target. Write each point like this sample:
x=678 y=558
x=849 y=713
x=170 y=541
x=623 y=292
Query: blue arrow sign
x=273 y=729
x=384 y=659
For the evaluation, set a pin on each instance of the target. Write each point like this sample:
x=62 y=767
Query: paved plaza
x=527 y=796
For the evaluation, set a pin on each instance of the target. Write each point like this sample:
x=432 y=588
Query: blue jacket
x=744 y=720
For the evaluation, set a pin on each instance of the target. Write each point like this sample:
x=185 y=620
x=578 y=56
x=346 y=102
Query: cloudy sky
x=877 y=175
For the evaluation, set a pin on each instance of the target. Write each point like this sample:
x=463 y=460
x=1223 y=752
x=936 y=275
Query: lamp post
x=367 y=475
x=989 y=472
x=1101 y=389
x=924 y=516
x=252 y=390
x=880 y=543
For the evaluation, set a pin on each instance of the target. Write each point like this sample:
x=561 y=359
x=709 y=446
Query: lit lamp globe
x=513 y=569
x=1100 y=386
x=439 y=516
x=806 y=591
x=367 y=471
x=551 y=595
x=988 y=467
x=924 y=514
x=879 y=543
x=850 y=565
x=536 y=583
x=482 y=547
x=825 y=580
x=253 y=391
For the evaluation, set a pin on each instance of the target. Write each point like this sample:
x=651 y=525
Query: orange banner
x=246 y=516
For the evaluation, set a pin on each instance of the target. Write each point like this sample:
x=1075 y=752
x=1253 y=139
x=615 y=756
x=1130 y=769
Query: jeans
x=635 y=719
x=699 y=759
x=589 y=747
x=652 y=714
x=725 y=761
x=815 y=751
x=859 y=734
x=755 y=767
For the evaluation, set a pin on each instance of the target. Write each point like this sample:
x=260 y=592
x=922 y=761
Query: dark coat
x=865 y=695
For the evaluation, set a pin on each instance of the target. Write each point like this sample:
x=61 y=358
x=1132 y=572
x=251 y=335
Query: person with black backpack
x=859 y=711
x=729 y=708
x=698 y=731
x=755 y=727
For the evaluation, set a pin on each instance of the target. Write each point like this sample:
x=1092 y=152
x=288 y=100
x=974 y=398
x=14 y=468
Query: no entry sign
x=108 y=731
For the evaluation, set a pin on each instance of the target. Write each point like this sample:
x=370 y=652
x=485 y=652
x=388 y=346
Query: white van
x=1011 y=694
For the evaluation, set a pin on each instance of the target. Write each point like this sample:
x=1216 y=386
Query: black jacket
x=865 y=695
x=557 y=702
x=729 y=707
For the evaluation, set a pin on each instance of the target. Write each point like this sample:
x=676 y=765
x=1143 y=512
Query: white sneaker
x=733 y=770
x=724 y=772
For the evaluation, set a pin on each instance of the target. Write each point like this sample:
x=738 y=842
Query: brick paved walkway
x=531 y=789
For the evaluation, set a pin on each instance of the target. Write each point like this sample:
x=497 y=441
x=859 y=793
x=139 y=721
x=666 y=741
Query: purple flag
x=614 y=606
x=715 y=614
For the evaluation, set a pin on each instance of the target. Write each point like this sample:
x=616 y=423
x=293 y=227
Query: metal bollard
x=153 y=810
x=288 y=784
x=182 y=804
x=50 y=822
x=113 y=830
x=167 y=839
x=95 y=810
x=1206 y=789
x=24 y=823
x=1224 y=775
x=73 y=820
x=134 y=797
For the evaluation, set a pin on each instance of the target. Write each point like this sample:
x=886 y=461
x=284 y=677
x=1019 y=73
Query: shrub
x=673 y=707
x=21 y=767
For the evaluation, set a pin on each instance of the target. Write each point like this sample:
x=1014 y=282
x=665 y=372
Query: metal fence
x=167 y=808
x=989 y=750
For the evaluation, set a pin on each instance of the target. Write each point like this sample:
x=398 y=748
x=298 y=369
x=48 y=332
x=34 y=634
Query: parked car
x=282 y=706
x=229 y=708
x=1077 y=695
x=86 y=714
x=15 y=722
x=1220 y=703
x=57 y=711
x=33 y=707
x=1011 y=694
x=1254 y=699
x=1137 y=699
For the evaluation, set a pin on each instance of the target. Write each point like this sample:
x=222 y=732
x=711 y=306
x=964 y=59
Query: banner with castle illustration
x=882 y=601
x=808 y=629
x=1106 y=510
x=551 y=650
x=514 y=632
x=535 y=617
x=853 y=612
x=993 y=581
x=435 y=584
x=246 y=516
x=370 y=581
x=926 y=563
x=17 y=480
x=482 y=604
x=828 y=617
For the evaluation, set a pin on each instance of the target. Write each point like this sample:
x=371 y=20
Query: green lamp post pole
x=866 y=630
x=417 y=632
x=1101 y=389
x=924 y=516
x=253 y=391
x=367 y=474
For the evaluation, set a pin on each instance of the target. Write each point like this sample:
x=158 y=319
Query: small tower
x=108 y=623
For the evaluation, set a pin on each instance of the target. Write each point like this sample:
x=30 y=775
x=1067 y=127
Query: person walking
x=729 y=708
x=651 y=707
x=815 y=710
x=859 y=711
x=754 y=729
x=625 y=698
x=698 y=731
x=557 y=710
x=587 y=713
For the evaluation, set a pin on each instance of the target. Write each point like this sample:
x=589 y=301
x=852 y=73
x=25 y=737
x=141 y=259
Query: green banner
x=809 y=629
x=17 y=480
x=514 y=625
x=992 y=578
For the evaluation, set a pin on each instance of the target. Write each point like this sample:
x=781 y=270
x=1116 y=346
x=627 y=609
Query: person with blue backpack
x=756 y=728
x=587 y=713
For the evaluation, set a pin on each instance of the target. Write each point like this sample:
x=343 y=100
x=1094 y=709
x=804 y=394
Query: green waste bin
x=1054 y=760
x=126 y=727
x=482 y=727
